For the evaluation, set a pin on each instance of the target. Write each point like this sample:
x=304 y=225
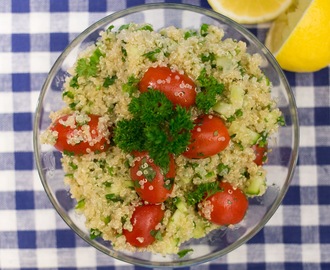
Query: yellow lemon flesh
x=250 y=11
x=300 y=37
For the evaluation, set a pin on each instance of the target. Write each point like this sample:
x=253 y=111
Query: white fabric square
x=39 y=62
x=39 y=22
x=274 y=253
x=305 y=96
x=5 y=23
x=309 y=215
x=238 y=256
x=45 y=219
x=7 y=142
x=308 y=176
x=85 y=257
x=277 y=218
x=8 y=220
x=9 y=258
x=21 y=102
x=7 y=181
x=78 y=21
x=310 y=253
x=307 y=136
x=6 y=66
x=50 y=254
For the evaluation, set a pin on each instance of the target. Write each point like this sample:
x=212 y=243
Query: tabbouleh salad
x=164 y=134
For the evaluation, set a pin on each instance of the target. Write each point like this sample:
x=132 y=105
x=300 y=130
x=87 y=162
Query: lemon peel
x=300 y=37
x=250 y=11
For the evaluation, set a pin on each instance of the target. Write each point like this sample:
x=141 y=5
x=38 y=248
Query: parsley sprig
x=157 y=127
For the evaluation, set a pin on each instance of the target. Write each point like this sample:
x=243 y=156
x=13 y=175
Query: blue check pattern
x=33 y=236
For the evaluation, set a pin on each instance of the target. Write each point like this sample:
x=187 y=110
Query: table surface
x=33 y=236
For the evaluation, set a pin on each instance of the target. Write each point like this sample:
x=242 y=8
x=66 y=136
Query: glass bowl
x=281 y=161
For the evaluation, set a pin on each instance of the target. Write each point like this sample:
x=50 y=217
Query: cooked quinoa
x=123 y=56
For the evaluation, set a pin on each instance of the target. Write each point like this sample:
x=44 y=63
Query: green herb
x=189 y=34
x=68 y=94
x=210 y=89
x=223 y=169
x=109 y=81
x=281 y=121
x=131 y=86
x=107 y=184
x=68 y=175
x=73 y=105
x=156 y=234
x=262 y=142
x=113 y=198
x=156 y=127
x=88 y=67
x=168 y=183
x=107 y=220
x=147 y=27
x=124 y=26
x=110 y=28
x=68 y=153
x=204 y=30
x=210 y=57
x=202 y=190
x=80 y=204
x=73 y=166
x=94 y=233
x=74 y=82
x=184 y=252
x=152 y=55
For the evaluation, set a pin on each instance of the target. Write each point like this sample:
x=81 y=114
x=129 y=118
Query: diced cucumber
x=181 y=205
x=199 y=230
x=244 y=134
x=224 y=62
x=256 y=185
x=236 y=96
x=224 y=109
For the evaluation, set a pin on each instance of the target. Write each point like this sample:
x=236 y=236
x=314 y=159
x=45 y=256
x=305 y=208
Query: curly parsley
x=157 y=127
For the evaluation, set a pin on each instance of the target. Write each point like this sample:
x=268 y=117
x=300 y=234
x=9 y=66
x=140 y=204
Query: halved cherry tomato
x=177 y=87
x=225 y=207
x=261 y=154
x=81 y=138
x=209 y=137
x=145 y=219
x=149 y=181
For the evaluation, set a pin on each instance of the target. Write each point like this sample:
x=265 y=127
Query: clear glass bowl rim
x=216 y=16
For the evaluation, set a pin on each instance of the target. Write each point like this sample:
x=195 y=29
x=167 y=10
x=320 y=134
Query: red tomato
x=149 y=181
x=261 y=154
x=209 y=137
x=177 y=87
x=74 y=139
x=225 y=207
x=145 y=219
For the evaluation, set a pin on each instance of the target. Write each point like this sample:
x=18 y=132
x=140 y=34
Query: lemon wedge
x=300 y=37
x=250 y=11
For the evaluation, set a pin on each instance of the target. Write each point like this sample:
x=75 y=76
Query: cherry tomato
x=209 y=137
x=225 y=207
x=261 y=154
x=145 y=219
x=149 y=181
x=177 y=87
x=82 y=138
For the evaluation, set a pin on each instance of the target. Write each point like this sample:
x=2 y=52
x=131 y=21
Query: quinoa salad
x=164 y=134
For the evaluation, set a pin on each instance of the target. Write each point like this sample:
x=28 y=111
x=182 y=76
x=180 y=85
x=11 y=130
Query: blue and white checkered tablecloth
x=33 y=236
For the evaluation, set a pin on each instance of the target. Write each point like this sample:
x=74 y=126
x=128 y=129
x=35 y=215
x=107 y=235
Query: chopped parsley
x=152 y=55
x=95 y=233
x=156 y=127
x=204 y=30
x=210 y=89
x=109 y=81
x=184 y=252
x=131 y=86
x=88 y=67
x=202 y=190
